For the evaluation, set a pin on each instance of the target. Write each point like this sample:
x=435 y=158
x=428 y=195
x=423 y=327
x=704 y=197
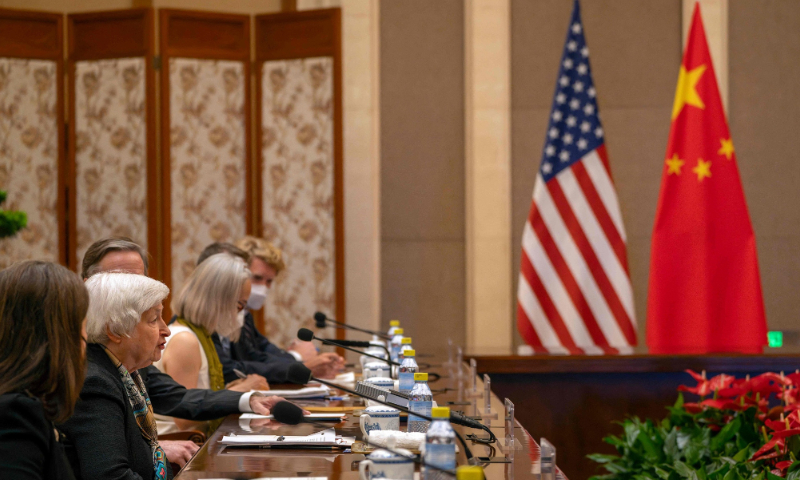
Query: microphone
x=307 y=335
x=290 y=414
x=300 y=374
x=348 y=343
x=320 y=319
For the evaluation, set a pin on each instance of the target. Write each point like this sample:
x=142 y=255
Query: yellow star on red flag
x=674 y=165
x=726 y=148
x=703 y=169
x=686 y=93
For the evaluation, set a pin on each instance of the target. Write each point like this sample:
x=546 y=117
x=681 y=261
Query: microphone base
x=480 y=460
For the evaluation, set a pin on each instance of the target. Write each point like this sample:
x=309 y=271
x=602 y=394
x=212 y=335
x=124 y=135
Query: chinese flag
x=705 y=291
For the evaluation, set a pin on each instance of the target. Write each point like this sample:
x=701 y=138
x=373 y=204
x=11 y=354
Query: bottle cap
x=406 y=341
x=394 y=323
x=420 y=377
x=398 y=331
x=469 y=472
x=440 y=412
x=410 y=353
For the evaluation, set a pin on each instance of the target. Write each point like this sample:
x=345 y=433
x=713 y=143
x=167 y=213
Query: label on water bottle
x=406 y=381
x=423 y=408
x=441 y=455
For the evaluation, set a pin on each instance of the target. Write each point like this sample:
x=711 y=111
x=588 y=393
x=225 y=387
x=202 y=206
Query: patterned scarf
x=216 y=378
x=143 y=411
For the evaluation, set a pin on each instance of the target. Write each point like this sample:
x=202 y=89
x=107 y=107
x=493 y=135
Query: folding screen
x=205 y=133
x=31 y=133
x=112 y=170
x=299 y=168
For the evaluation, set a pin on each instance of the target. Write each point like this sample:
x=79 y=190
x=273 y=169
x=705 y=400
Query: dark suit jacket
x=28 y=446
x=253 y=353
x=102 y=437
x=170 y=398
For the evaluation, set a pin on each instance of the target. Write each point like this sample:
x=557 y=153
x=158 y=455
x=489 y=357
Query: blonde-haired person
x=209 y=302
x=266 y=262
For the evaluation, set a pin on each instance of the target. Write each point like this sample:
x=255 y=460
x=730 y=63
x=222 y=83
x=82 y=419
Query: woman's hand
x=252 y=382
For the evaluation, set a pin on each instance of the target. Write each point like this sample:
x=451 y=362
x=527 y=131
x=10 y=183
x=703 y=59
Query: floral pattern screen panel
x=208 y=158
x=110 y=151
x=29 y=157
x=297 y=135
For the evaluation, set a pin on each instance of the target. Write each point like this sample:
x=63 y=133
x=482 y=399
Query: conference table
x=520 y=460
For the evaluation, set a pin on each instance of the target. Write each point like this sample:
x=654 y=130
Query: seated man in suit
x=253 y=352
x=121 y=254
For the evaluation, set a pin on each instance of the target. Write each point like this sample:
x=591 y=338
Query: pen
x=239 y=373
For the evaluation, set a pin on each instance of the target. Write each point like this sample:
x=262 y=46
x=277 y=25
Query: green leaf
x=602 y=458
x=727 y=433
x=671 y=445
x=742 y=454
x=771 y=476
x=684 y=470
x=632 y=433
x=652 y=451
x=663 y=474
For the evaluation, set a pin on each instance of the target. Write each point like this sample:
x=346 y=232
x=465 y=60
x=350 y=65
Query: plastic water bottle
x=408 y=367
x=395 y=343
x=440 y=445
x=405 y=344
x=420 y=400
x=393 y=325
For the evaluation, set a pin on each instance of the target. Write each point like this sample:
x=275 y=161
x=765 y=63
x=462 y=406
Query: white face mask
x=258 y=295
x=240 y=318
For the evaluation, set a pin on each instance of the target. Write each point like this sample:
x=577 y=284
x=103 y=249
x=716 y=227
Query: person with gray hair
x=208 y=303
x=166 y=395
x=113 y=433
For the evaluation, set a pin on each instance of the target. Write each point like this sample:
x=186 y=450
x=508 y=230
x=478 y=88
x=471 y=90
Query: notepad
x=325 y=438
x=317 y=417
x=305 y=392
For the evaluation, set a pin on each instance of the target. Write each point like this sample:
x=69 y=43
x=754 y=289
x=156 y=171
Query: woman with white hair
x=215 y=292
x=112 y=433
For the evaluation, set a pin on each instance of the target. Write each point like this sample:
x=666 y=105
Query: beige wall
x=635 y=53
x=422 y=168
x=764 y=114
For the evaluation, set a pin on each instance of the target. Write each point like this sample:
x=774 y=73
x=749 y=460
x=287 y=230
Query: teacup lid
x=381 y=409
x=381 y=382
x=377 y=365
x=381 y=454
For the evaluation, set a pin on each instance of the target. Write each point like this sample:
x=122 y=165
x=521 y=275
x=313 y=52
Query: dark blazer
x=170 y=398
x=28 y=446
x=253 y=353
x=102 y=437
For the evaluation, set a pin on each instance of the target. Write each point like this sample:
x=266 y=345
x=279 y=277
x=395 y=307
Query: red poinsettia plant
x=739 y=428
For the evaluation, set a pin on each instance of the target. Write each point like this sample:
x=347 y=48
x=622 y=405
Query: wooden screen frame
x=135 y=30
x=30 y=35
x=297 y=35
x=207 y=42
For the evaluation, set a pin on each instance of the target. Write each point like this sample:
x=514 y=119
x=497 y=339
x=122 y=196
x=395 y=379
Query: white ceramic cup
x=382 y=464
x=377 y=369
x=379 y=418
x=376 y=351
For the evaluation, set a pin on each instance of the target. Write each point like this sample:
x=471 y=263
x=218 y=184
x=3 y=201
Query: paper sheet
x=305 y=392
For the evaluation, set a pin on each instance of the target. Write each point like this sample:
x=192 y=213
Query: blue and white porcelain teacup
x=377 y=369
x=379 y=418
x=382 y=464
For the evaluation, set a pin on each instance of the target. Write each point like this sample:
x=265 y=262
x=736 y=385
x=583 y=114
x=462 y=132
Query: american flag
x=574 y=288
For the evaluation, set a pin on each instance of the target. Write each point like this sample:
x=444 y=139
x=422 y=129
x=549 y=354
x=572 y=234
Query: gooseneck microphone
x=321 y=319
x=301 y=375
x=307 y=335
x=290 y=414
